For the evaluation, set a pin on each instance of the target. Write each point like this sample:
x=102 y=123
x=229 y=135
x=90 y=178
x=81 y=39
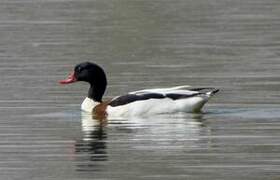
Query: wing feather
x=174 y=93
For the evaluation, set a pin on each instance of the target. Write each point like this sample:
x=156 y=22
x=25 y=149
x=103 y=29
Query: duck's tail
x=212 y=91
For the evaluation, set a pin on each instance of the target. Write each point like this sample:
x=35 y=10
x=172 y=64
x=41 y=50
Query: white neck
x=88 y=105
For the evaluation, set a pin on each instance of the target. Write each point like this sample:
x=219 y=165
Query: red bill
x=71 y=79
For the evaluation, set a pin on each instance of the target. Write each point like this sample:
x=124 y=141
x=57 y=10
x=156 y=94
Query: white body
x=154 y=106
x=88 y=105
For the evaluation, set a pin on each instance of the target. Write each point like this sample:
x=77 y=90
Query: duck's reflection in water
x=150 y=136
x=92 y=147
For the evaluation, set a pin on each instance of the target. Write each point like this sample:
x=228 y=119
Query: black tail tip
x=215 y=91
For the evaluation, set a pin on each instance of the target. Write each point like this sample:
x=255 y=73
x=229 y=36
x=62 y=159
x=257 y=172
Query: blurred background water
x=229 y=44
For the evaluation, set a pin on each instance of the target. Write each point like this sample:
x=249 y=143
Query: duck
x=146 y=102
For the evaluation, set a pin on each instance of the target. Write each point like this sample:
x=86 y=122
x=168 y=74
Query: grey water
x=233 y=45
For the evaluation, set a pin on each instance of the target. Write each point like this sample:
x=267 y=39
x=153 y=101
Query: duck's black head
x=91 y=73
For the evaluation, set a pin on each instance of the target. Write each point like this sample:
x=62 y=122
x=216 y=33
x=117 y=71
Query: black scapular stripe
x=205 y=90
x=129 y=98
x=180 y=96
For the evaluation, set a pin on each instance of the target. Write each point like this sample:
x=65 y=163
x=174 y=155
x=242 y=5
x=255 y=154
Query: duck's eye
x=79 y=69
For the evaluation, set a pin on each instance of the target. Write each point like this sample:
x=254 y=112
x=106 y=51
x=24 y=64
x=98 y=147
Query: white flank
x=158 y=106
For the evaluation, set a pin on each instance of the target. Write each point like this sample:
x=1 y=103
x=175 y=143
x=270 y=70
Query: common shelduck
x=138 y=103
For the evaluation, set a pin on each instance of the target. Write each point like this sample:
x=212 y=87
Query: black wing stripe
x=129 y=98
x=180 y=96
x=204 y=90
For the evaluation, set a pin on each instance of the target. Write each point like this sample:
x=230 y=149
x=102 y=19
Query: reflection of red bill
x=71 y=79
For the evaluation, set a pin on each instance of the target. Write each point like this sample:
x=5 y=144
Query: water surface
x=231 y=44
